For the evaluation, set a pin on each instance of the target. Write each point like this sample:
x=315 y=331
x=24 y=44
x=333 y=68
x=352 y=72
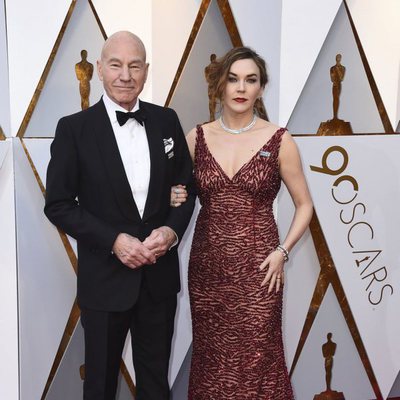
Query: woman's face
x=242 y=87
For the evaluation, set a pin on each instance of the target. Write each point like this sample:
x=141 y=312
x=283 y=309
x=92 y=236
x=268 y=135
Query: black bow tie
x=122 y=117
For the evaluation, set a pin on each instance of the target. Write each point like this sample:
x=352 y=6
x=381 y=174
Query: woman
x=236 y=269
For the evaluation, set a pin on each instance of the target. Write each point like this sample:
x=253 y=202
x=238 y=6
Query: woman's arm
x=292 y=175
x=178 y=192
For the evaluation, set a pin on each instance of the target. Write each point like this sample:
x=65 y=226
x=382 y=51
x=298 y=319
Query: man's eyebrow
x=113 y=59
x=134 y=61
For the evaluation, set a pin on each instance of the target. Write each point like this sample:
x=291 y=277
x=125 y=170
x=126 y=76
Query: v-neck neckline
x=231 y=179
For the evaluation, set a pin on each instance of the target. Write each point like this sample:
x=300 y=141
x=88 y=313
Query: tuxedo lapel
x=105 y=139
x=157 y=162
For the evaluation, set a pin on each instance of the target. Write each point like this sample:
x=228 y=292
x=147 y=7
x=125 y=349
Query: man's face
x=123 y=70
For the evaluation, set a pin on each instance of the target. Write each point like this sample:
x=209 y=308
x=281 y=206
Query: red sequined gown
x=237 y=337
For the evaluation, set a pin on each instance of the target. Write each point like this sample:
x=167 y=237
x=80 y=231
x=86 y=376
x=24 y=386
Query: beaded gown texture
x=237 y=337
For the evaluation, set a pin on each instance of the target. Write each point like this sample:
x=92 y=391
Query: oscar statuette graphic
x=82 y=371
x=211 y=92
x=335 y=126
x=84 y=73
x=328 y=351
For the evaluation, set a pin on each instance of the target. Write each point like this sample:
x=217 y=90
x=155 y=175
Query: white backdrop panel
x=377 y=25
x=8 y=278
x=32 y=28
x=4 y=87
x=356 y=194
x=46 y=282
x=172 y=22
x=4 y=149
x=39 y=151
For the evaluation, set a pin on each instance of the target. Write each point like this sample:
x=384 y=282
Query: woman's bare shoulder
x=191 y=140
x=269 y=127
x=191 y=136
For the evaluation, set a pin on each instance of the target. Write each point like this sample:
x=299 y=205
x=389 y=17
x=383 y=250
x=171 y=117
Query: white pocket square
x=168 y=145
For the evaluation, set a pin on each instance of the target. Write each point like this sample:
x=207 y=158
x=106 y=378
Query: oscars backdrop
x=334 y=82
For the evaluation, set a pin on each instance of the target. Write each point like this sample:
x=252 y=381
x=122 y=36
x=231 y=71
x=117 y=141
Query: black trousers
x=151 y=324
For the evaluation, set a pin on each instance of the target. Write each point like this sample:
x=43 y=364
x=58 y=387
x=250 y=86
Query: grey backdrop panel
x=180 y=387
x=60 y=95
x=67 y=384
x=395 y=392
x=46 y=281
x=354 y=385
x=190 y=99
x=357 y=104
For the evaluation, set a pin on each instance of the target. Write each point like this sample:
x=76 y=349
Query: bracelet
x=284 y=251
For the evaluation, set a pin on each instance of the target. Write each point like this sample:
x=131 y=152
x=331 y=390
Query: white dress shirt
x=134 y=150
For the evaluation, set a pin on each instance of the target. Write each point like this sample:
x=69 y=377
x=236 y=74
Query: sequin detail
x=237 y=336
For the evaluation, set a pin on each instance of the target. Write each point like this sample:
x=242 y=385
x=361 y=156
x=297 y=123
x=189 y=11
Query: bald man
x=108 y=185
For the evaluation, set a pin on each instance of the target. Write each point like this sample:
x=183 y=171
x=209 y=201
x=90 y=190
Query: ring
x=176 y=190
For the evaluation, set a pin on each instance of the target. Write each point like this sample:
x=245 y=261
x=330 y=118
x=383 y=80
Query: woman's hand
x=178 y=195
x=275 y=274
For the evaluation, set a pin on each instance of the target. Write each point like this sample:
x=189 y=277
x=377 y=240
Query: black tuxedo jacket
x=88 y=196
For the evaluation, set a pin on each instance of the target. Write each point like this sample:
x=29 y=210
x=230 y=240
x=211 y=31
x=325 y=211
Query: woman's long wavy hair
x=218 y=70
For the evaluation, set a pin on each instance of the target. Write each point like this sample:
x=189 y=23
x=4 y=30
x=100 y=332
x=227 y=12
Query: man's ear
x=99 y=70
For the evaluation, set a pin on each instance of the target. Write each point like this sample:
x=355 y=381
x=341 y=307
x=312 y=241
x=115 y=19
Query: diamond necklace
x=240 y=130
